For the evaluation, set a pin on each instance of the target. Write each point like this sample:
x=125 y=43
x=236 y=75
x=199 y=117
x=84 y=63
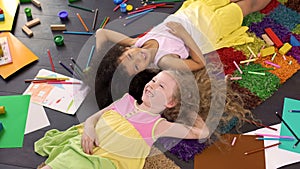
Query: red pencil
x=262 y=125
x=260 y=149
x=49 y=82
x=51 y=61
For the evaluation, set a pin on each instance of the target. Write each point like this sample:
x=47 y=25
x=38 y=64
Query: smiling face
x=135 y=60
x=159 y=92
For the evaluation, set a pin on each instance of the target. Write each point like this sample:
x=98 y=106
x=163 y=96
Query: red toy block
x=278 y=43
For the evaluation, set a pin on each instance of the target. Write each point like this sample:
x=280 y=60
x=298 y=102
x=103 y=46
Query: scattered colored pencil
x=104 y=22
x=237 y=66
x=138 y=14
x=41 y=81
x=280 y=139
x=90 y=57
x=82 y=22
x=63 y=82
x=261 y=149
x=272 y=64
x=51 y=77
x=135 y=19
x=95 y=19
x=118 y=6
x=294 y=111
x=64 y=66
x=80 y=7
x=77 y=33
x=76 y=65
x=259 y=124
x=277 y=136
x=141 y=10
x=51 y=61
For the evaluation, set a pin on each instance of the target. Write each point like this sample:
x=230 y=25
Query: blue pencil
x=138 y=14
x=90 y=56
x=77 y=33
x=64 y=66
x=294 y=111
x=280 y=139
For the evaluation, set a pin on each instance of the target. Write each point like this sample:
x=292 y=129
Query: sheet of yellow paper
x=9 y=8
x=21 y=55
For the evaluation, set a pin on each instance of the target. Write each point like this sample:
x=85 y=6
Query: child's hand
x=177 y=29
x=89 y=139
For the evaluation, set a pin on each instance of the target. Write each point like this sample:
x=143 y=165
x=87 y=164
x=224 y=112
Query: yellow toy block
x=267 y=51
x=2 y=110
x=285 y=48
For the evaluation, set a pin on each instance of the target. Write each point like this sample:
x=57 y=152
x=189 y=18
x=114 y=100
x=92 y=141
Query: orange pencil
x=82 y=22
x=105 y=22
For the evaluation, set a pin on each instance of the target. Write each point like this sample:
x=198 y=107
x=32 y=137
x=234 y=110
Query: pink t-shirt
x=168 y=43
x=143 y=121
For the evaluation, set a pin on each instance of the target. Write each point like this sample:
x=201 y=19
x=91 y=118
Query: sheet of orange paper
x=9 y=8
x=21 y=56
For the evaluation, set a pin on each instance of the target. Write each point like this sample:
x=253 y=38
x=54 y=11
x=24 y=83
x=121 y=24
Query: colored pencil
x=272 y=64
x=104 y=22
x=76 y=65
x=77 y=33
x=138 y=14
x=64 y=66
x=134 y=19
x=261 y=149
x=141 y=10
x=82 y=22
x=259 y=124
x=41 y=81
x=64 y=82
x=280 y=139
x=277 y=136
x=51 y=61
x=90 y=56
x=118 y=6
x=95 y=19
x=50 y=78
x=80 y=7
x=257 y=73
x=294 y=111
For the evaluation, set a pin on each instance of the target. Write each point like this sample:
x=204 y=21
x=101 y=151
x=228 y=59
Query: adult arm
x=196 y=60
x=170 y=129
x=105 y=35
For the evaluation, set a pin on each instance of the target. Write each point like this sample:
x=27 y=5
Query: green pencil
x=83 y=8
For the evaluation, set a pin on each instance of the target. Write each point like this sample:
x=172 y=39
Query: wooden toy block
x=267 y=39
x=285 y=48
x=60 y=27
x=267 y=51
x=278 y=43
x=2 y=18
x=33 y=22
x=294 y=41
x=27 y=31
x=1 y=126
x=36 y=3
x=2 y=110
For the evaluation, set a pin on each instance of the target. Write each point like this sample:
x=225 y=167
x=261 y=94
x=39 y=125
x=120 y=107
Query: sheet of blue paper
x=14 y=120
x=293 y=120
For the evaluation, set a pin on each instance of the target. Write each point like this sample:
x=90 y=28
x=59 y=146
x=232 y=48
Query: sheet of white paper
x=275 y=157
x=36 y=118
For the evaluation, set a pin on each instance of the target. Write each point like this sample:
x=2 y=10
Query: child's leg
x=249 y=6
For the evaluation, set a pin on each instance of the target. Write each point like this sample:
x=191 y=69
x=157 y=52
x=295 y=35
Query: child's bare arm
x=105 y=35
x=169 y=129
x=89 y=137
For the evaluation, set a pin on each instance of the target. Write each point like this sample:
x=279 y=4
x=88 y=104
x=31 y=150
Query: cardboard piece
x=224 y=155
x=21 y=56
x=9 y=8
x=292 y=119
x=14 y=120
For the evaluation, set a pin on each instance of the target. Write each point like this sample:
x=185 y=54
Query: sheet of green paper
x=293 y=120
x=14 y=120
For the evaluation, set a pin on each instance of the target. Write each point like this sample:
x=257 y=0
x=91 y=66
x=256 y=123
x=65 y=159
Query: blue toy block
x=294 y=41
x=1 y=126
x=2 y=17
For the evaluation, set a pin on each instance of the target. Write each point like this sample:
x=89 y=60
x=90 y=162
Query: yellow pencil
x=50 y=77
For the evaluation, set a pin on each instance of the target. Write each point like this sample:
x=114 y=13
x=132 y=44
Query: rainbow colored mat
x=261 y=78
